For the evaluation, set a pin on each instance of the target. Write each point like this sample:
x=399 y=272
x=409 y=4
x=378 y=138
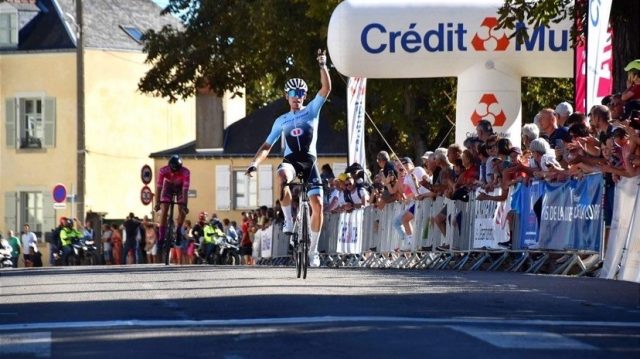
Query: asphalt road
x=261 y=312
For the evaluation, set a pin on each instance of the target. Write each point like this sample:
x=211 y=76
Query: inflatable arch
x=436 y=38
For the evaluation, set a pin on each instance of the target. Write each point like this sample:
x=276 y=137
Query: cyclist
x=173 y=180
x=300 y=128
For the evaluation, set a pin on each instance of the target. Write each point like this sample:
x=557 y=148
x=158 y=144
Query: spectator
x=384 y=162
x=530 y=132
x=150 y=239
x=632 y=92
x=412 y=181
x=484 y=130
x=14 y=242
x=107 y=244
x=454 y=152
x=131 y=228
x=197 y=232
x=230 y=229
x=87 y=231
x=563 y=111
x=116 y=239
x=356 y=193
x=245 y=243
x=550 y=130
x=616 y=107
x=29 y=240
x=576 y=118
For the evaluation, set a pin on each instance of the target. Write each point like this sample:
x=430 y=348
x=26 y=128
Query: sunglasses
x=296 y=93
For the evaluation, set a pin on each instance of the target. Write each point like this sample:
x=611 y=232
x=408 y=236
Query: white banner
x=487 y=231
x=349 y=232
x=599 y=54
x=624 y=199
x=356 y=91
x=630 y=269
x=266 y=242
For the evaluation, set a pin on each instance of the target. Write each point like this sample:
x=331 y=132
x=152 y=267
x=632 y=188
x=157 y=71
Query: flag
x=356 y=91
x=599 y=52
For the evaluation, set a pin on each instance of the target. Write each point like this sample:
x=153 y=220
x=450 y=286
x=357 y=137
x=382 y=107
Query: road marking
x=509 y=338
x=310 y=320
x=37 y=344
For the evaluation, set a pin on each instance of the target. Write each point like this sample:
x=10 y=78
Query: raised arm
x=325 y=79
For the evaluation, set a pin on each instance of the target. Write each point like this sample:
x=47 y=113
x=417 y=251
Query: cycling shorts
x=168 y=191
x=303 y=164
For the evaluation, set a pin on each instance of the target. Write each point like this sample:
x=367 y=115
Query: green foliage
x=541 y=12
x=539 y=93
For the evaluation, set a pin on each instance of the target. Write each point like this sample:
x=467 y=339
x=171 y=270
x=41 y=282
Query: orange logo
x=489 y=33
x=489 y=108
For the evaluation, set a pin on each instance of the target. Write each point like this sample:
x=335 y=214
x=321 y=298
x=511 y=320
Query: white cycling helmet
x=295 y=84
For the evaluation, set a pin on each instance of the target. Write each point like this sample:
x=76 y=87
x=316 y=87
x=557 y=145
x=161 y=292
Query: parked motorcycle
x=84 y=252
x=5 y=254
x=226 y=252
x=229 y=251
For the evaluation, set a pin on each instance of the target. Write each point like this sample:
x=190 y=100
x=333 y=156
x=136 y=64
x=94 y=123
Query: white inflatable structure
x=436 y=38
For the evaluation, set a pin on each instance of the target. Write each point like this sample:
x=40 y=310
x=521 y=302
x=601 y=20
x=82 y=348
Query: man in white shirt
x=29 y=241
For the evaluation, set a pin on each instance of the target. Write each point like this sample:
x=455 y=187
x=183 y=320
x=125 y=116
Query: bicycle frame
x=301 y=229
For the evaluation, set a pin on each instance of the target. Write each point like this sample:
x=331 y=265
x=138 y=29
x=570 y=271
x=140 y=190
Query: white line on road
x=37 y=344
x=309 y=320
x=508 y=338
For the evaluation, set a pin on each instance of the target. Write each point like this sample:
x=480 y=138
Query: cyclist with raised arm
x=299 y=127
x=173 y=180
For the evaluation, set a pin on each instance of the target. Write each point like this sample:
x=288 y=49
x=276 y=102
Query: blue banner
x=571 y=214
x=527 y=198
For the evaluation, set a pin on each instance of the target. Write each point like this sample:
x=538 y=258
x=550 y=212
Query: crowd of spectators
x=560 y=144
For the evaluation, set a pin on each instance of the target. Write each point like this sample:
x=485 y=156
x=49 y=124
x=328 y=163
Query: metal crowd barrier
x=382 y=246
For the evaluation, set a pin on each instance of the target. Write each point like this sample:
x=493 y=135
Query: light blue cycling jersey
x=300 y=128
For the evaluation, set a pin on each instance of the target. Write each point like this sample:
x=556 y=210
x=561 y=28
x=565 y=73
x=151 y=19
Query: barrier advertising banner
x=349 y=230
x=528 y=196
x=571 y=214
x=266 y=243
x=485 y=223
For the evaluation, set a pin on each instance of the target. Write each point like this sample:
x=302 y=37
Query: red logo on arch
x=487 y=34
x=296 y=132
x=489 y=108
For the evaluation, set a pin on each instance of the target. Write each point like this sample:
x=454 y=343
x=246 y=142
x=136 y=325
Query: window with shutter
x=10 y=121
x=265 y=188
x=9 y=29
x=245 y=190
x=49 y=121
x=223 y=188
x=10 y=211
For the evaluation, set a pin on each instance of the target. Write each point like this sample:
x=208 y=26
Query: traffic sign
x=59 y=193
x=146 y=174
x=62 y=205
x=146 y=196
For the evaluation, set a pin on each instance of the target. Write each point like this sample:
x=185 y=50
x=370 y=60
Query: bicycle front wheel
x=297 y=255
x=168 y=241
x=305 y=241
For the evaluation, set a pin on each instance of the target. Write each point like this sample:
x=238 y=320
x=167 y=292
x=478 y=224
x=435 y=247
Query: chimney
x=209 y=121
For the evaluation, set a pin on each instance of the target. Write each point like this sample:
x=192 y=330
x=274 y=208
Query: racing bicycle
x=300 y=236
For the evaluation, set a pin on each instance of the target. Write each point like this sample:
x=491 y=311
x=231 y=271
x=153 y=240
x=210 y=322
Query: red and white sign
x=146 y=196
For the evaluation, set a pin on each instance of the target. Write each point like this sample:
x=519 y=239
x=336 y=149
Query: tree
x=624 y=20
